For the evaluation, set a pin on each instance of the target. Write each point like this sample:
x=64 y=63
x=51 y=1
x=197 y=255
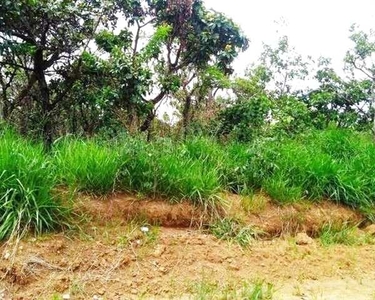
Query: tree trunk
x=47 y=129
x=186 y=115
x=147 y=123
x=2 y=107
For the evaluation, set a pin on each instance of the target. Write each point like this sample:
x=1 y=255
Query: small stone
x=66 y=296
x=101 y=292
x=134 y=291
x=303 y=239
x=370 y=229
x=145 y=229
x=128 y=283
x=234 y=267
x=159 y=251
x=6 y=255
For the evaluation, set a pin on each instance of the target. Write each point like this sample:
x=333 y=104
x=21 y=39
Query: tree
x=339 y=101
x=361 y=59
x=284 y=66
x=42 y=39
x=197 y=39
x=245 y=116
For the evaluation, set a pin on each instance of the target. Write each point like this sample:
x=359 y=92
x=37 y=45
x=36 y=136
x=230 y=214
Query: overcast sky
x=314 y=27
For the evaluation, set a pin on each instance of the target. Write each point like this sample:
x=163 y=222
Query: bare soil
x=111 y=258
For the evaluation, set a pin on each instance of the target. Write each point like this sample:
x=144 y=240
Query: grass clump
x=253 y=203
x=257 y=290
x=230 y=229
x=168 y=169
x=87 y=166
x=26 y=183
x=344 y=234
x=279 y=190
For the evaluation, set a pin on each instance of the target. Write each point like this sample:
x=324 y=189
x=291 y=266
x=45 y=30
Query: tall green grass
x=178 y=171
x=87 y=165
x=174 y=170
x=26 y=182
x=333 y=164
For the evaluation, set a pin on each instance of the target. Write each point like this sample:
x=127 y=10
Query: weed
x=331 y=234
x=254 y=203
x=230 y=229
x=169 y=170
x=281 y=192
x=258 y=290
x=334 y=164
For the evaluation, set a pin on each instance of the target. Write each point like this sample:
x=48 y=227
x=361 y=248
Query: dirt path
x=176 y=262
x=117 y=260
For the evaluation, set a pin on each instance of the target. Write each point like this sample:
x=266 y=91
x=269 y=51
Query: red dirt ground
x=111 y=258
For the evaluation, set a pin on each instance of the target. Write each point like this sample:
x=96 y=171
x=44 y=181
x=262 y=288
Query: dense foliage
x=82 y=82
x=333 y=164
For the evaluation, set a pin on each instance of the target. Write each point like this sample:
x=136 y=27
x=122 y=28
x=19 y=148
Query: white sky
x=314 y=27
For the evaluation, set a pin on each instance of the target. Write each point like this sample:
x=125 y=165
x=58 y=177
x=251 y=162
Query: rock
x=370 y=229
x=66 y=296
x=145 y=229
x=125 y=261
x=6 y=255
x=234 y=267
x=134 y=291
x=303 y=239
x=159 y=251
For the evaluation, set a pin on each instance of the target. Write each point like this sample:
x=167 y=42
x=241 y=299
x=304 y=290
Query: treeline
x=104 y=67
x=83 y=66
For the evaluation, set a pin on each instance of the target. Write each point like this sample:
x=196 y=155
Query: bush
x=26 y=182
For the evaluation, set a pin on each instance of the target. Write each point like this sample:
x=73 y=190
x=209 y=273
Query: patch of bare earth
x=111 y=258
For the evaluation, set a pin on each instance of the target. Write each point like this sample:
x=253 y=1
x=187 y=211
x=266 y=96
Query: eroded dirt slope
x=111 y=258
